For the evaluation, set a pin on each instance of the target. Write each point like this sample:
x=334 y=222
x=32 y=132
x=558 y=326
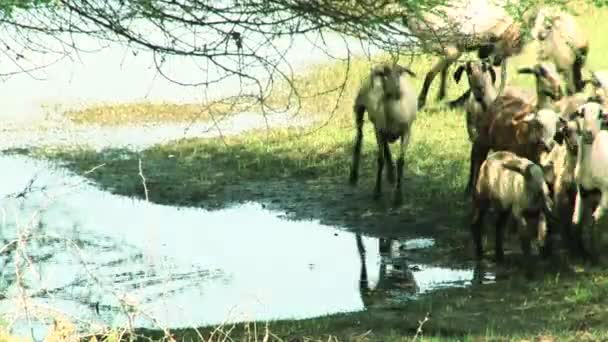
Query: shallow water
x=87 y=248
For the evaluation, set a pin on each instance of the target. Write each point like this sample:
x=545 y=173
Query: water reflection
x=95 y=256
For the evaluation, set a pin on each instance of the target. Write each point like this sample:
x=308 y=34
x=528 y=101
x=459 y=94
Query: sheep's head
x=548 y=81
x=532 y=132
x=390 y=76
x=589 y=118
x=480 y=75
x=567 y=132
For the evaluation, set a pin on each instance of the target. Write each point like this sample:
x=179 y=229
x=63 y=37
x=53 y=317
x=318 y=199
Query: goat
x=591 y=173
x=516 y=188
x=390 y=102
x=563 y=42
x=465 y=26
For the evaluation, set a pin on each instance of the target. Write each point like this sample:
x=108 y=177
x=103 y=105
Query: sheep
x=390 y=102
x=394 y=274
x=549 y=94
x=563 y=159
x=481 y=94
x=563 y=42
x=516 y=188
x=510 y=124
x=461 y=27
x=591 y=174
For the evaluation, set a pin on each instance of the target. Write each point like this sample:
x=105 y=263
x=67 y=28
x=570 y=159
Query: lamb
x=463 y=26
x=563 y=42
x=591 y=174
x=516 y=188
x=390 y=102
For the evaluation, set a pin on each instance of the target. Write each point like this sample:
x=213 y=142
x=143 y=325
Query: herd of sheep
x=538 y=159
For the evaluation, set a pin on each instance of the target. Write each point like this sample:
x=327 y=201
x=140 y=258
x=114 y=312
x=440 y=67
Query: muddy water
x=93 y=256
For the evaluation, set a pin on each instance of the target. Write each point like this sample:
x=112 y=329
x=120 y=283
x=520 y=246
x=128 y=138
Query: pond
x=93 y=256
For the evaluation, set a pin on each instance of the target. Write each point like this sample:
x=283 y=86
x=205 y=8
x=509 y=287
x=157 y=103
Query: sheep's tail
x=577 y=68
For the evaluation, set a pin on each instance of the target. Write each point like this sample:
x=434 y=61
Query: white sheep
x=591 y=173
x=390 y=102
x=516 y=188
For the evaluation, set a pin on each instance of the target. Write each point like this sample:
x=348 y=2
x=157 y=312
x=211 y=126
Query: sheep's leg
x=499 y=254
x=390 y=170
x=379 y=168
x=354 y=171
x=403 y=143
x=595 y=231
x=442 y=84
x=479 y=211
x=525 y=242
x=581 y=219
x=451 y=55
x=565 y=210
x=503 y=76
x=577 y=69
x=479 y=153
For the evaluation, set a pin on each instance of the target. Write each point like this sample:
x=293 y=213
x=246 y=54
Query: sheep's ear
x=492 y=74
x=527 y=70
x=559 y=136
x=458 y=73
x=406 y=70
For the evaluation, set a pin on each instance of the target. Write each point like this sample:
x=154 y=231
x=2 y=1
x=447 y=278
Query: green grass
x=305 y=171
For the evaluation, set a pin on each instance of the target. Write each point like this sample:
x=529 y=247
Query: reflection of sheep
x=563 y=42
x=481 y=94
x=516 y=188
x=399 y=277
x=450 y=30
x=390 y=102
x=563 y=160
x=591 y=172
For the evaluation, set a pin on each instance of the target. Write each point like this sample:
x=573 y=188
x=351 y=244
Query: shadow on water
x=91 y=254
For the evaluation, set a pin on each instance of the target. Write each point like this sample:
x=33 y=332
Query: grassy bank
x=137 y=113
x=304 y=171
